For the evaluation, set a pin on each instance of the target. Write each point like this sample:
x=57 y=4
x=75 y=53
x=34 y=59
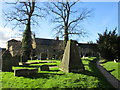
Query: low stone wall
x=25 y=72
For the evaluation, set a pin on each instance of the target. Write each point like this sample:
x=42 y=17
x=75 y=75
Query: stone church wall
x=52 y=51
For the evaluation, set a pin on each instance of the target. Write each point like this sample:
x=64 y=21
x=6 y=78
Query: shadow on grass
x=54 y=70
x=87 y=60
x=26 y=66
x=111 y=70
x=96 y=72
x=103 y=62
x=42 y=75
x=52 y=65
x=86 y=72
x=85 y=64
x=32 y=66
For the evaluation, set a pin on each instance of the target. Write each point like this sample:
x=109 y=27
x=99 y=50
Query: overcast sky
x=105 y=15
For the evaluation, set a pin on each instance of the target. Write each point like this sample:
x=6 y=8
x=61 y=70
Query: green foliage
x=26 y=43
x=55 y=78
x=108 y=45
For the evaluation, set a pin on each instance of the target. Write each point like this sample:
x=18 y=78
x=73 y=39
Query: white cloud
x=7 y=34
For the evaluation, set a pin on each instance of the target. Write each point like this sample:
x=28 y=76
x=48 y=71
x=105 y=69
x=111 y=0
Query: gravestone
x=6 y=61
x=71 y=61
x=44 y=68
x=25 y=72
x=16 y=60
x=43 y=56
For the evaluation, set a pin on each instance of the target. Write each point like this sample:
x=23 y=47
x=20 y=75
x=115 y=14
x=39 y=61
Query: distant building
x=49 y=48
x=44 y=48
x=86 y=49
x=14 y=46
x=1 y=52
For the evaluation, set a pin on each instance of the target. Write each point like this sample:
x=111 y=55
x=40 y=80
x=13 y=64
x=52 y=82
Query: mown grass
x=112 y=68
x=90 y=78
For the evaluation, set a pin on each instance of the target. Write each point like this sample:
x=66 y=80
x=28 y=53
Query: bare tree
x=68 y=17
x=24 y=13
x=21 y=12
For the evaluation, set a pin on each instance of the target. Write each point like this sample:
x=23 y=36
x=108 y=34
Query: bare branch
x=83 y=15
x=68 y=17
x=26 y=6
x=22 y=12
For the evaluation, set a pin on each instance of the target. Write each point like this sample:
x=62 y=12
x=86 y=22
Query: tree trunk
x=66 y=37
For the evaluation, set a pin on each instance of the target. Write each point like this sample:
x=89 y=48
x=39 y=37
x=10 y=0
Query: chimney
x=57 y=38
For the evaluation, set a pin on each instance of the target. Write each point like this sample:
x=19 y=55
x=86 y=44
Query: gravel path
x=111 y=79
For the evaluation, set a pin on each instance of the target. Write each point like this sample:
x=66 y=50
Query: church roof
x=13 y=40
x=86 y=45
x=49 y=42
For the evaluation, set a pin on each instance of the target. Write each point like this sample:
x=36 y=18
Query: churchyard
x=55 y=78
x=40 y=63
x=70 y=72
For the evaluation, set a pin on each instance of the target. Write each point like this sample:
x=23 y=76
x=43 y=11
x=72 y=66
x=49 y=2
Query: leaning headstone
x=15 y=61
x=71 y=61
x=25 y=72
x=44 y=68
x=6 y=61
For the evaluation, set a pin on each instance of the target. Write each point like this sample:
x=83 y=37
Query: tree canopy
x=67 y=17
x=24 y=13
x=109 y=45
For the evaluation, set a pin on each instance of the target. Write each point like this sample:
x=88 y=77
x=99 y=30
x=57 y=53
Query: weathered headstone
x=25 y=72
x=44 y=68
x=6 y=61
x=43 y=56
x=71 y=61
x=15 y=60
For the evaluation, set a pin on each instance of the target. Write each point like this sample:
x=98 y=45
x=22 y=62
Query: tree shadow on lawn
x=103 y=62
x=111 y=70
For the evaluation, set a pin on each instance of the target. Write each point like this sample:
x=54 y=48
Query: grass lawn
x=113 y=68
x=90 y=78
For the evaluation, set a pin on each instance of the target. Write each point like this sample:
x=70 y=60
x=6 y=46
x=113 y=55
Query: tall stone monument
x=71 y=61
x=6 y=61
